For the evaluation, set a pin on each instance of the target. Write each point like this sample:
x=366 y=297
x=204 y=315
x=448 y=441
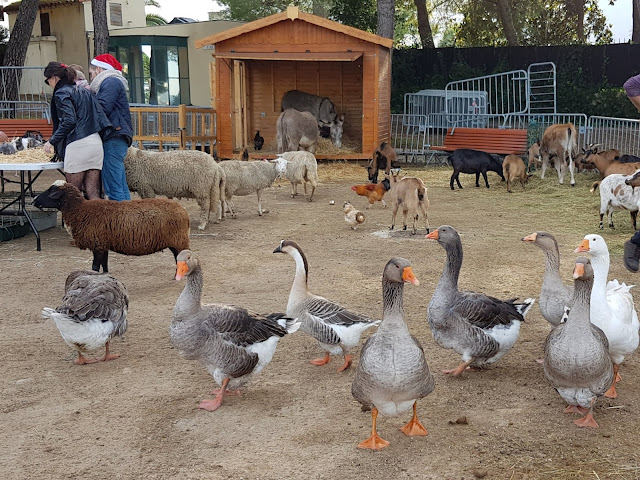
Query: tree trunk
x=17 y=51
x=504 y=10
x=580 y=22
x=424 y=27
x=386 y=18
x=635 y=35
x=100 y=27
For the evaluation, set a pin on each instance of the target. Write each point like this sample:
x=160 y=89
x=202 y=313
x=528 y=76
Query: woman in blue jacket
x=111 y=88
x=78 y=122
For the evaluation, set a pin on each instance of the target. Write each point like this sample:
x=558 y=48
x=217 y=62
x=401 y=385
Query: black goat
x=258 y=141
x=466 y=160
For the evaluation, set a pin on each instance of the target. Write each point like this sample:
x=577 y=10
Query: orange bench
x=490 y=140
x=17 y=127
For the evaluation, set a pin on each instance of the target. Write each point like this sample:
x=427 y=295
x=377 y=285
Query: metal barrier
x=622 y=134
x=32 y=96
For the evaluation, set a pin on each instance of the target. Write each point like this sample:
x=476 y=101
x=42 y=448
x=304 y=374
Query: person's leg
x=75 y=179
x=113 y=173
x=632 y=253
x=92 y=184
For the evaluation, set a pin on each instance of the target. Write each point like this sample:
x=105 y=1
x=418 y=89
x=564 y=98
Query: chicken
x=373 y=191
x=352 y=216
x=258 y=141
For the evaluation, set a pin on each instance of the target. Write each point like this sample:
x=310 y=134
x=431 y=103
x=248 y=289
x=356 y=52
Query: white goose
x=612 y=307
x=336 y=328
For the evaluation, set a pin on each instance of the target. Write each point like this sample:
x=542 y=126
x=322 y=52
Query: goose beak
x=530 y=238
x=583 y=247
x=181 y=270
x=278 y=250
x=408 y=276
x=578 y=271
x=433 y=235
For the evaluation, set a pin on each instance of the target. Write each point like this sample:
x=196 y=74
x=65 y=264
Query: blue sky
x=619 y=16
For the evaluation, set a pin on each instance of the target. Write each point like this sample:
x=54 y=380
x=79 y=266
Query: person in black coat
x=78 y=123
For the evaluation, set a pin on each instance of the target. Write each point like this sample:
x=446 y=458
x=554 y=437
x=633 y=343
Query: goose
x=576 y=358
x=234 y=344
x=93 y=311
x=612 y=307
x=392 y=374
x=479 y=327
x=332 y=325
x=555 y=295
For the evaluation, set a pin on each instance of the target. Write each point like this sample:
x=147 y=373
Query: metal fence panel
x=622 y=134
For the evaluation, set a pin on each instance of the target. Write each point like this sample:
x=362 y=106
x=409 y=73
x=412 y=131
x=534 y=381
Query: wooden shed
x=256 y=63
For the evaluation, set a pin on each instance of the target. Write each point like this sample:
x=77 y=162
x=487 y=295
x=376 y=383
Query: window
x=115 y=14
x=45 y=26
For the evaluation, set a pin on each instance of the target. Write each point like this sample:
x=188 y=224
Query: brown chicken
x=373 y=191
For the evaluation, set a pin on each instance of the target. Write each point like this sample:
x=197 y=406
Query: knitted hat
x=106 y=61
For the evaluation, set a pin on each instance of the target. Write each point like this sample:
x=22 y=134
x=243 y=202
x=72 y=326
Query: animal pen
x=256 y=63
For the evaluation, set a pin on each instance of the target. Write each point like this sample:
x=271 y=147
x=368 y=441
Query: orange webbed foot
x=414 y=429
x=348 y=359
x=230 y=393
x=211 y=405
x=111 y=356
x=321 y=361
x=576 y=409
x=458 y=370
x=586 y=421
x=374 y=442
x=82 y=360
x=611 y=393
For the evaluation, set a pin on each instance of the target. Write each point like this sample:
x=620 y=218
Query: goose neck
x=393 y=309
x=552 y=262
x=600 y=273
x=580 y=310
x=190 y=298
x=449 y=278
x=302 y=272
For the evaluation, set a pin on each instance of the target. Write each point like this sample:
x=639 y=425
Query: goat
x=136 y=227
x=466 y=160
x=609 y=166
x=513 y=169
x=383 y=158
x=617 y=193
x=411 y=193
x=559 y=140
x=534 y=156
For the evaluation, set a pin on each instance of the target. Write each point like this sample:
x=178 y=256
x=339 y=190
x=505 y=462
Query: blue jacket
x=76 y=114
x=112 y=95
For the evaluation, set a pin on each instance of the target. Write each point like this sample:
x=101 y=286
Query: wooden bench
x=17 y=127
x=490 y=140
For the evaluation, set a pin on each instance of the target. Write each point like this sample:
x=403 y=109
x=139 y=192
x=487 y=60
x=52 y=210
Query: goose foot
x=374 y=442
x=321 y=361
x=414 y=428
x=616 y=367
x=540 y=361
x=109 y=356
x=586 y=421
x=227 y=393
x=82 y=360
x=458 y=370
x=211 y=405
x=575 y=409
x=348 y=359
x=611 y=393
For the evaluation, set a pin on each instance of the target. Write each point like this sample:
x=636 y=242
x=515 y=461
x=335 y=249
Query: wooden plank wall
x=384 y=96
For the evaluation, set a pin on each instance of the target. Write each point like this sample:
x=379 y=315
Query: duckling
x=576 y=359
x=392 y=374
x=479 y=327
x=231 y=342
x=353 y=216
x=336 y=328
x=93 y=311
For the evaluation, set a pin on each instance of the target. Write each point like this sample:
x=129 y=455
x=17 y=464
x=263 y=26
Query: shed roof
x=15 y=6
x=292 y=13
x=296 y=56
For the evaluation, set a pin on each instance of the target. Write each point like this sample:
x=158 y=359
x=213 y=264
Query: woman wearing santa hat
x=78 y=122
x=111 y=88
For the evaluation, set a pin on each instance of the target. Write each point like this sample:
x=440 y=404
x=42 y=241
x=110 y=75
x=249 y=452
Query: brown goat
x=411 y=193
x=383 y=158
x=534 y=156
x=607 y=166
x=513 y=169
x=559 y=140
x=136 y=227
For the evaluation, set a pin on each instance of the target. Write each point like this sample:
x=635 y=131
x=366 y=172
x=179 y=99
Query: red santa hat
x=106 y=61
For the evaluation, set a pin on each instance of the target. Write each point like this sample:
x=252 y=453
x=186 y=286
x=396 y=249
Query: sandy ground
x=137 y=417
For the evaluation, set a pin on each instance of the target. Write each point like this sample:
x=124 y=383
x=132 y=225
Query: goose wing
x=331 y=313
x=96 y=297
x=242 y=328
x=484 y=311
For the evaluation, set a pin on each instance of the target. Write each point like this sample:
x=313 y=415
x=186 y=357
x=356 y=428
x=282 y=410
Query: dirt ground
x=137 y=417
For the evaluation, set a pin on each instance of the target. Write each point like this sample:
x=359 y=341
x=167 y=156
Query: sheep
x=617 y=193
x=178 y=173
x=411 y=193
x=135 y=227
x=513 y=169
x=383 y=158
x=244 y=178
x=466 y=160
x=534 y=156
x=559 y=140
x=301 y=168
x=607 y=166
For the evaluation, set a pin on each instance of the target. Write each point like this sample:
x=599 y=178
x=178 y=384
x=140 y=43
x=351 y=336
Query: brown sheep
x=513 y=169
x=136 y=227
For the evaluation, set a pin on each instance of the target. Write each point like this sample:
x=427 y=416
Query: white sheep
x=301 y=168
x=616 y=194
x=244 y=178
x=178 y=173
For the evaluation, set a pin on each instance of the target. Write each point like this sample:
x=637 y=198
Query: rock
x=459 y=421
x=22 y=381
x=479 y=472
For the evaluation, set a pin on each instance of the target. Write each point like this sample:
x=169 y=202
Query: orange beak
x=181 y=270
x=408 y=276
x=530 y=238
x=578 y=271
x=583 y=247
x=433 y=235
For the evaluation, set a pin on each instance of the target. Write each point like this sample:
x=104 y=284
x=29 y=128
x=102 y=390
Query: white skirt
x=84 y=154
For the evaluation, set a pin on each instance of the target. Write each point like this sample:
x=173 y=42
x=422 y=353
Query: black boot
x=631 y=256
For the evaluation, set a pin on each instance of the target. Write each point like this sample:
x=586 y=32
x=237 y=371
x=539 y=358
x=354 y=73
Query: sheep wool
x=302 y=167
x=178 y=173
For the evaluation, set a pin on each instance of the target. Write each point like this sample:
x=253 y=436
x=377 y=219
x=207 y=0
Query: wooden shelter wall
x=384 y=96
x=269 y=80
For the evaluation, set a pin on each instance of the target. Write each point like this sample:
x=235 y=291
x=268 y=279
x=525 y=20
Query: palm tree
x=153 y=19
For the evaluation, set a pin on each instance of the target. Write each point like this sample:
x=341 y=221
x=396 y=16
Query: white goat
x=244 y=178
x=615 y=194
x=301 y=168
x=559 y=140
x=177 y=173
x=411 y=193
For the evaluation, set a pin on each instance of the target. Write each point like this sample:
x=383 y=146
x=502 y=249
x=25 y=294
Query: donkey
x=321 y=108
x=296 y=131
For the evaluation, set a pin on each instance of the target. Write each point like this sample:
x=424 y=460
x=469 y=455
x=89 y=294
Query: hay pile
x=326 y=147
x=29 y=155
